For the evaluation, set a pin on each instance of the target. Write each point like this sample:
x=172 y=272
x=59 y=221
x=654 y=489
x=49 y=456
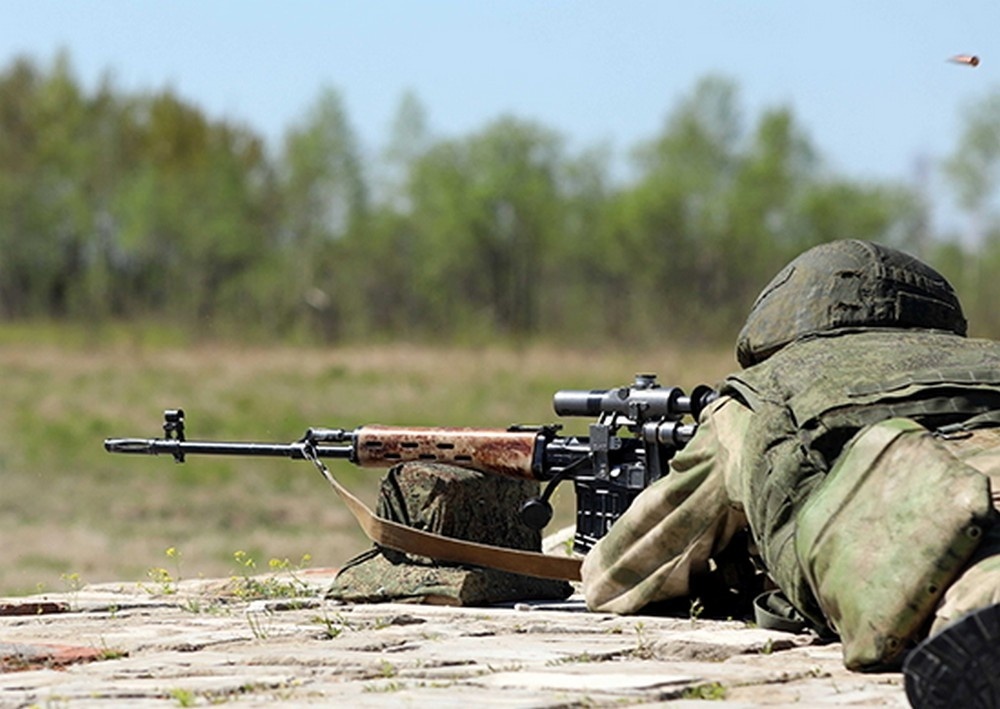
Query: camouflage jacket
x=811 y=397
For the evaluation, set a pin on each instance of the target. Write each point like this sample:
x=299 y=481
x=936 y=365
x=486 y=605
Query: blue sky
x=867 y=80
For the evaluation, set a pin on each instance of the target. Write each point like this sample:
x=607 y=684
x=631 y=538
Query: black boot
x=958 y=667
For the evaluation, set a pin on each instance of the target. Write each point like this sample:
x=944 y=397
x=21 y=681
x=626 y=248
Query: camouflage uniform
x=857 y=445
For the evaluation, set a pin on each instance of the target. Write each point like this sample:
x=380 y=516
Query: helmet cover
x=844 y=284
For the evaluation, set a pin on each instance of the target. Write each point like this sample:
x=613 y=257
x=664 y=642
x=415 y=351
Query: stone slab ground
x=199 y=643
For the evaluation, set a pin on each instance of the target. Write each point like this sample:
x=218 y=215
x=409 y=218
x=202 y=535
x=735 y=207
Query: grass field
x=71 y=513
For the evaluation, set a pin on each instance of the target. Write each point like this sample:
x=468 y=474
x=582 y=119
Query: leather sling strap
x=415 y=541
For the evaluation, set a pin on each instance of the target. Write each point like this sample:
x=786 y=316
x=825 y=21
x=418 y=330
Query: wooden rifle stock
x=511 y=453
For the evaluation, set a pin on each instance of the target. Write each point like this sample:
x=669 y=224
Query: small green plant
x=381 y=622
x=332 y=627
x=285 y=566
x=111 y=653
x=166 y=582
x=387 y=669
x=509 y=667
x=380 y=688
x=696 y=610
x=72 y=580
x=183 y=697
x=568 y=546
x=572 y=659
x=74 y=584
x=246 y=562
x=175 y=555
x=644 y=647
x=710 y=691
x=193 y=605
x=258 y=625
x=249 y=586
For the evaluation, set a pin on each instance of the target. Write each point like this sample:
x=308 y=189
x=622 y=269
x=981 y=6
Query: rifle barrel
x=178 y=449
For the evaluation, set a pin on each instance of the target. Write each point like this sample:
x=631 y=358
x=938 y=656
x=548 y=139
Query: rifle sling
x=415 y=541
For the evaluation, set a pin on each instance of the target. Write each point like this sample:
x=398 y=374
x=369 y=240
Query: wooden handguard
x=509 y=453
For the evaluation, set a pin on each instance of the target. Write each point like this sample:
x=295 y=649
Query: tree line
x=131 y=206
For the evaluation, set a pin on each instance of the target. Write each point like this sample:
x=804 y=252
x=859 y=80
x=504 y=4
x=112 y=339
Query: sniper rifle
x=638 y=429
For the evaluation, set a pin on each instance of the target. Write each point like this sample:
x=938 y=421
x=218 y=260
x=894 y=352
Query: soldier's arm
x=669 y=533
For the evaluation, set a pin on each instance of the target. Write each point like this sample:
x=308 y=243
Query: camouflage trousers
x=897 y=542
x=978 y=585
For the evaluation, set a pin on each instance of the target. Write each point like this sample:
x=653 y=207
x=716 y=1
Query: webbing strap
x=772 y=611
x=415 y=541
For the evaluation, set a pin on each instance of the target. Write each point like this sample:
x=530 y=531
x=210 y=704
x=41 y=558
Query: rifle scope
x=644 y=400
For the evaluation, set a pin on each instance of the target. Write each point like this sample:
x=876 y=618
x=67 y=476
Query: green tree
x=973 y=170
x=384 y=259
x=486 y=210
x=44 y=159
x=192 y=213
x=325 y=208
x=673 y=222
x=126 y=205
x=584 y=273
x=716 y=211
x=409 y=140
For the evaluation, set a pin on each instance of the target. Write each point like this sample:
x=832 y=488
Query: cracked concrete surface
x=197 y=643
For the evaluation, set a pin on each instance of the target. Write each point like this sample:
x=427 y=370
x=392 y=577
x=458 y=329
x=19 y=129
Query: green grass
x=68 y=507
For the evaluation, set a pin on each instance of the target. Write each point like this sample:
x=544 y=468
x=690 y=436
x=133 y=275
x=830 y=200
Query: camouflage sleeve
x=675 y=525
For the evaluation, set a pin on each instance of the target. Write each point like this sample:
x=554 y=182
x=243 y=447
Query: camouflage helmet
x=847 y=284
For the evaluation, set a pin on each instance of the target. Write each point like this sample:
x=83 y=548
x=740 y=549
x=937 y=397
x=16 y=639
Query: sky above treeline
x=869 y=82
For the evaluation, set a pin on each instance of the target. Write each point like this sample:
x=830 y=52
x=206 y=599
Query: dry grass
x=70 y=508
